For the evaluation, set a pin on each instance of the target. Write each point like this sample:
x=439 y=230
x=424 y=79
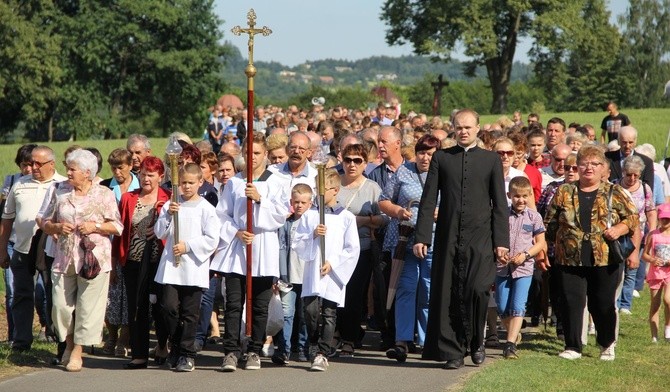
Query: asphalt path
x=368 y=370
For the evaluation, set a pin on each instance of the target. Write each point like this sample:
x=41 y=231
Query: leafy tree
x=488 y=30
x=29 y=63
x=646 y=50
x=593 y=69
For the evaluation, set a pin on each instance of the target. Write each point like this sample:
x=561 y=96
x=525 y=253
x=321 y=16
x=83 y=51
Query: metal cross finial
x=252 y=31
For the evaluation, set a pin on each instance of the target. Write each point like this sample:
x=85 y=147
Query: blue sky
x=319 y=29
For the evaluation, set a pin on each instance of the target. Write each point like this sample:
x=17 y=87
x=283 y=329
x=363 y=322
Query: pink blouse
x=99 y=206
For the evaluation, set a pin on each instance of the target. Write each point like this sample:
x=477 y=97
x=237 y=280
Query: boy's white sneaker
x=607 y=353
x=570 y=354
x=319 y=364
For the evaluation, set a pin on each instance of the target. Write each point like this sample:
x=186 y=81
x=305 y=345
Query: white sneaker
x=570 y=354
x=625 y=311
x=607 y=354
x=636 y=294
x=319 y=364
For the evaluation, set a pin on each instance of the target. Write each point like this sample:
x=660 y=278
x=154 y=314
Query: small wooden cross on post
x=250 y=71
x=437 y=96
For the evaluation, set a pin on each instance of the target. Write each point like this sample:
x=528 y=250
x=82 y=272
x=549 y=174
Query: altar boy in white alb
x=270 y=209
x=324 y=286
x=184 y=282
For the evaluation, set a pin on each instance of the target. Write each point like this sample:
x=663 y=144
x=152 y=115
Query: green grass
x=639 y=365
x=7 y=165
x=652 y=124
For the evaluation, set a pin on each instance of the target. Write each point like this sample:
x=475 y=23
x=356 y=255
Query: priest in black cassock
x=471 y=231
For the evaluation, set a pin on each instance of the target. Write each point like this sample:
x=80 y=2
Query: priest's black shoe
x=454 y=363
x=478 y=355
x=133 y=366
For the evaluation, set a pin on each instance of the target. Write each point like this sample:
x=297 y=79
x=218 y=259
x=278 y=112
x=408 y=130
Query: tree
x=29 y=63
x=646 y=50
x=143 y=59
x=594 y=71
x=488 y=30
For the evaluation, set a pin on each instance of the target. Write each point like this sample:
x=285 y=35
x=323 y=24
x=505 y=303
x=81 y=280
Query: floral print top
x=98 y=205
x=564 y=209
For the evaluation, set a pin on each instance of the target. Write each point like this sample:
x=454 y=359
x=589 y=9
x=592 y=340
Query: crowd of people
x=433 y=230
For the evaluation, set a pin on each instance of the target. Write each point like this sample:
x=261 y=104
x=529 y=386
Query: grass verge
x=639 y=366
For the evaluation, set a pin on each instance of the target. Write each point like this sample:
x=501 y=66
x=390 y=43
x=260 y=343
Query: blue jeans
x=23 y=303
x=640 y=276
x=290 y=301
x=512 y=295
x=625 y=300
x=206 y=306
x=412 y=298
x=9 y=293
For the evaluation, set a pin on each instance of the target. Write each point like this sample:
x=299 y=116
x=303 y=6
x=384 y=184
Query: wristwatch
x=527 y=256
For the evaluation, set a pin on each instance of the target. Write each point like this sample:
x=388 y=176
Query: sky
x=305 y=30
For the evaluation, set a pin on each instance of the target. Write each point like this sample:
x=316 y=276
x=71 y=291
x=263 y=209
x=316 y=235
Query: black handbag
x=622 y=247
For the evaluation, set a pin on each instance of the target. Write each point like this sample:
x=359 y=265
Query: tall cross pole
x=250 y=71
x=437 y=96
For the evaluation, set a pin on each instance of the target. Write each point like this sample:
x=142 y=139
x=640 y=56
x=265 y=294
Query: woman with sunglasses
x=505 y=149
x=358 y=195
x=400 y=201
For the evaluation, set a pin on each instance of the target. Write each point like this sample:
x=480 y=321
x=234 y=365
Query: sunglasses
x=508 y=153
x=356 y=161
x=570 y=167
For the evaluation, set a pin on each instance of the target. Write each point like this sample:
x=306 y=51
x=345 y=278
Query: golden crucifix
x=250 y=71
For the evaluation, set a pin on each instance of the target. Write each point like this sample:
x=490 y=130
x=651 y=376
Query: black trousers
x=139 y=321
x=349 y=317
x=181 y=310
x=381 y=275
x=320 y=318
x=261 y=291
x=599 y=285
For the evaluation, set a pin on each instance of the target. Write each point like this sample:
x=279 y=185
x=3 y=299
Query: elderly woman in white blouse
x=83 y=216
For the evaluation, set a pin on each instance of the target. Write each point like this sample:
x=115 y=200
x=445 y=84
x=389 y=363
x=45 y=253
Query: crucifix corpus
x=250 y=71
x=437 y=94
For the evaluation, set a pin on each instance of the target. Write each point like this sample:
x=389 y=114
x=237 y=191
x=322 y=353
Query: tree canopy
x=95 y=68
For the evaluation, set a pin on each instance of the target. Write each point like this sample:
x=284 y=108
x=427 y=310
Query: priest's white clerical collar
x=467 y=148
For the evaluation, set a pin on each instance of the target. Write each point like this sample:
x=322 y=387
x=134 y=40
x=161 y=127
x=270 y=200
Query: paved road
x=367 y=371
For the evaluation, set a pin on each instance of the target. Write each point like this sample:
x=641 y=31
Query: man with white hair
x=23 y=202
x=140 y=147
x=627 y=142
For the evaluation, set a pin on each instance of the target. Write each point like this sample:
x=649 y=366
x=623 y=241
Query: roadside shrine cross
x=437 y=96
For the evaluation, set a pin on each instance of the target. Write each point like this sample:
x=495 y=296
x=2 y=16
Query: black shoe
x=19 y=349
x=198 y=346
x=454 y=364
x=185 y=364
x=398 y=353
x=280 y=359
x=535 y=321
x=172 y=359
x=509 y=351
x=133 y=366
x=478 y=355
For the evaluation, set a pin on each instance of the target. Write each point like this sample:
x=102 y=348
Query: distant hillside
x=277 y=83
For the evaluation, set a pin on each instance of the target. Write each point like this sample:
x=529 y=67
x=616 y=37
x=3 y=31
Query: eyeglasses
x=584 y=165
x=356 y=160
x=39 y=164
x=508 y=153
x=297 y=148
x=570 y=167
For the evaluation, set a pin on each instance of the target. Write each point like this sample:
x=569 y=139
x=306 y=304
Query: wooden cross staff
x=250 y=71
